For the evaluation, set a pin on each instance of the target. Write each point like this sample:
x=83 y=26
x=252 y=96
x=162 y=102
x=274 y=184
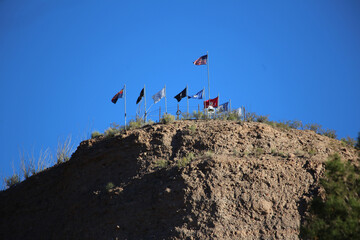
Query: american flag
x=201 y=60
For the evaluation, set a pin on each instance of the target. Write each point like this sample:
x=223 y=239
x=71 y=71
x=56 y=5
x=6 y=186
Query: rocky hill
x=185 y=180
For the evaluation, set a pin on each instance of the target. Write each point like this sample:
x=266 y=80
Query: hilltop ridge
x=192 y=179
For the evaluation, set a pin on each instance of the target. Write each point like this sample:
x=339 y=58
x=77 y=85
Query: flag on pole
x=201 y=60
x=181 y=95
x=224 y=107
x=159 y=95
x=211 y=102
x=117 y=96
x=199 y=95
x=141 y=96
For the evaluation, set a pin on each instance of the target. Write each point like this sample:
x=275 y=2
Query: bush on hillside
x=95 y=134
x=313 y=127
x=348 y=141
x=12 y=181
x=197 y=115
x=338 y=215
x=328 y=132
x=167 y=118
x=64 y=150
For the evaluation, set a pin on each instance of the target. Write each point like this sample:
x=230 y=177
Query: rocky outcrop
x=246 y=181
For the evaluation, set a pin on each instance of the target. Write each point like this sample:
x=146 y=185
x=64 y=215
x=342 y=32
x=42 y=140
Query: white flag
x=159 y=95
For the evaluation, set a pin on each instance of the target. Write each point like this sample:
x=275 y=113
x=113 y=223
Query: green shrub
x=233 y=116
x=338 y=215
x=109 y=186
x=192 y=129
x=312 y=152
x=250 y=117
x=185 y=116
x=258 y=152
x=348 y=141
x=12 y=181
x=198 y=115
x=295 y=124
x=95 y=134
x=162 y=163
x=262 y=118
x=136 y=123
x=168 y=118
x=313 y=127
x=182 y=162
x=329 y=133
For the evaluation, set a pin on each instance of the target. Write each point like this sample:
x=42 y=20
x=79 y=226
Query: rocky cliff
x=185 y=180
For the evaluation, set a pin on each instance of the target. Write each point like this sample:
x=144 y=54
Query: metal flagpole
x=125 y=103
x=229 y=105
x=165 y=101
x=207 y=64
x=145 y=103
x=187 y=99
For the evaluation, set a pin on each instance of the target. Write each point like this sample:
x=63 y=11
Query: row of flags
x=162 y=93
x=209 y=104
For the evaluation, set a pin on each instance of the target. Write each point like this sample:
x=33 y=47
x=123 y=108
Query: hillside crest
x=191 y=179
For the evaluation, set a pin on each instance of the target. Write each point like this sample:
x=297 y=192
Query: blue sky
x=61 y=62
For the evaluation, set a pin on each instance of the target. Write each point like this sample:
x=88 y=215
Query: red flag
x=201 y=60
x=211 y=102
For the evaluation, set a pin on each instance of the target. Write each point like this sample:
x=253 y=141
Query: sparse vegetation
x=64 y=150
x=274 y=152
x=186 y=115
x=162 y=163
x=198 y=115
x=258 y=152
x=348 y=141
x=192 y=129
x=337 y=216
x=109 y=186
x=182 y=162
x=328 y=132
x=12 y=181
x=313 y=127
x=312 y=152
x=95 y=134
x=168 y=118
x=32 y=165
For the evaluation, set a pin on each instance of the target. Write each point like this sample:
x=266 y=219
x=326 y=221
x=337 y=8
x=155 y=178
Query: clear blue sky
x=61 y=62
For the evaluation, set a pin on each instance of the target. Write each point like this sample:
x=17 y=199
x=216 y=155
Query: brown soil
x=246 y=181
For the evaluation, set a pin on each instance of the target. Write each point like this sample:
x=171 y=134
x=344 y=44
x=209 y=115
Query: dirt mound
x=245 y=181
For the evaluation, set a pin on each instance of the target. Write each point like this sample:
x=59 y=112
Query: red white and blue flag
x=201 y=60
x=117 y=96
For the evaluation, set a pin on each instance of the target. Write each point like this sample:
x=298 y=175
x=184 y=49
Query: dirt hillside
x=243 y=181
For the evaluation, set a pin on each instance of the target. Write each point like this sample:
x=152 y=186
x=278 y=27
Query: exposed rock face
x=247 y=181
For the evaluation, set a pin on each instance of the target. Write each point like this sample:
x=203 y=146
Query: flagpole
x=218 y=99
x=207 y=64
x=187 y=99
x=229 y=105
x=145 y=103
x=125 y=103
x=165 y=101
x=204 y=96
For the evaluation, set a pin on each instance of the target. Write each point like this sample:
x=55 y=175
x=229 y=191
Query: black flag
x=140 y=97
x=181 y=95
